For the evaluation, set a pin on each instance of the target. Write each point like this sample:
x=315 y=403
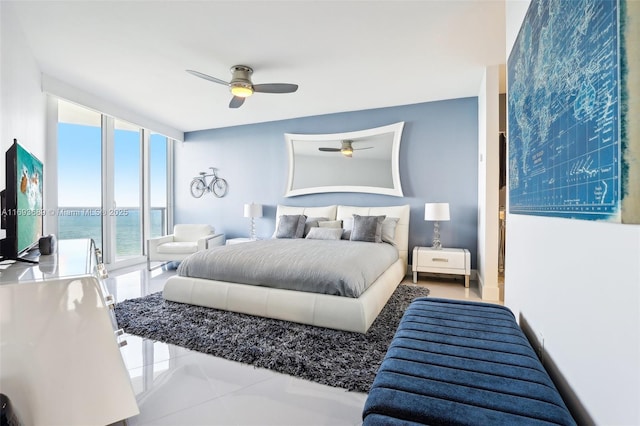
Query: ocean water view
x=134 y=150
x=86 y=222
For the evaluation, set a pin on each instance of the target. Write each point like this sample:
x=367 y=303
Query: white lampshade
x=436 y=211
x=253 y=210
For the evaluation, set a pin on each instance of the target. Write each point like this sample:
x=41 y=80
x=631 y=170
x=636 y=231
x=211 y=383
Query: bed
x=355 y=312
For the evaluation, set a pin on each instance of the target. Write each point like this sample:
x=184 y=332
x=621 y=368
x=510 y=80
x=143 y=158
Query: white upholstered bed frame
x=342 y=313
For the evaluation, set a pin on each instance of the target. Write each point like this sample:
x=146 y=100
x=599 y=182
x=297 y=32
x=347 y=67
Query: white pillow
x=330 y=224
x=347 y=226
x=389 y=230
x=324 y=234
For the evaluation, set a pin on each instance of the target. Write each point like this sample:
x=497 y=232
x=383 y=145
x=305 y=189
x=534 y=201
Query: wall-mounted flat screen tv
x=22 y=202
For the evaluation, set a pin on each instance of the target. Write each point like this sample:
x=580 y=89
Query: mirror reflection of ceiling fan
x=346 y=149
x=241 y=86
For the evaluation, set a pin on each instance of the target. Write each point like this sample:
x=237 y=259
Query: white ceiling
x=344 y=55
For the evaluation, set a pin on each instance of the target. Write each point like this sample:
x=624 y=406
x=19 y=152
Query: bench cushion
x=458 y=362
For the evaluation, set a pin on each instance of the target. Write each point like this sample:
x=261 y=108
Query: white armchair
x=185 y=240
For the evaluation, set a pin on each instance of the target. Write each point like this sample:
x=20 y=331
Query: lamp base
x=252 y=230
x=435 y=242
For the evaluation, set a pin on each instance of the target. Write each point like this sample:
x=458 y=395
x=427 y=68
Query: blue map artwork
x=564 y=148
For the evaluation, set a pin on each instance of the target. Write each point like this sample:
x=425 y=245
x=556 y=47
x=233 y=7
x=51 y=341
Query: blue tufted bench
x=462 y=363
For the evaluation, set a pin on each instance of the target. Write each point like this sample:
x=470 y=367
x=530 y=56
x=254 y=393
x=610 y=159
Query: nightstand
x=452 y=261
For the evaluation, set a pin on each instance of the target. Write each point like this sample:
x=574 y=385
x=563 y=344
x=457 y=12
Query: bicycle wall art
x=216 y=185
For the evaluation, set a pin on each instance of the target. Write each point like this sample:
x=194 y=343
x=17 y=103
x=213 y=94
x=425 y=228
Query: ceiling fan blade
x=207 y=77
x=366 y=147
x=236 y=102
x=275 y=88
x=329 y=149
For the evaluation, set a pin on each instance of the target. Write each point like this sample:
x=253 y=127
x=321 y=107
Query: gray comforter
x=343 y=268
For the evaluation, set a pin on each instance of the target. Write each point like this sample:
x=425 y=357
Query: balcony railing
x=86 y=222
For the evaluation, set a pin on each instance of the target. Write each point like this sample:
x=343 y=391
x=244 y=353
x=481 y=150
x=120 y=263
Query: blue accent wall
x=438 y=163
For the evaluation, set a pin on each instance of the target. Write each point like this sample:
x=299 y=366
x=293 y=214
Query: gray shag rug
x=336 y=358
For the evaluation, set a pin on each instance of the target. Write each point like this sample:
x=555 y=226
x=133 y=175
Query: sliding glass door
x=112 y=183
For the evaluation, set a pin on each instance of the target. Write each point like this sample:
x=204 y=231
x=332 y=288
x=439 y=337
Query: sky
x=79 y=167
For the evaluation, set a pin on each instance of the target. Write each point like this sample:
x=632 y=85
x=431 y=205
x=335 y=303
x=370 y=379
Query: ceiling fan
x=346 y=149
x=241 y=86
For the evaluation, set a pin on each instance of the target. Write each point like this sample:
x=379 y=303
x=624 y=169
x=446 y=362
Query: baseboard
x=487 y=293
x=474 y=275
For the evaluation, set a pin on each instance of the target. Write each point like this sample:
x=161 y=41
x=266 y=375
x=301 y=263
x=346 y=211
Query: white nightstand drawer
x=441 y=259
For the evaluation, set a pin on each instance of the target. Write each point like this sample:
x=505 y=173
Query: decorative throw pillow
x=367 y=228
x=291 y=226
x=312 y=222
x=330 y=224
x=389 y=230
x=324 y=233
x=347 y=226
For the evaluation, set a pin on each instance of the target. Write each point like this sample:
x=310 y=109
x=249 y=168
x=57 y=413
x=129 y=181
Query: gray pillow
x=389 y=230
x=324 y=233
x=312 y=222
x=291 y=226
x=367 y=228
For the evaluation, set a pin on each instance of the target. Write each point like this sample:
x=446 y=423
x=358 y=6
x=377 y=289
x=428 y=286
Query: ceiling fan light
x=346 y=149
x=241 y=91
x=347 y=152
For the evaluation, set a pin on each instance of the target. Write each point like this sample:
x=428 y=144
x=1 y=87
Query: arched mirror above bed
x=361 y=161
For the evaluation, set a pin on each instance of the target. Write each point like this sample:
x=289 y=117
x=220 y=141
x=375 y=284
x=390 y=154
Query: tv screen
x=23 y=201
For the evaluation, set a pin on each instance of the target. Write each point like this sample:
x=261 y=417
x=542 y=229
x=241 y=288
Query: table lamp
x=252 y=211
x=436 y=212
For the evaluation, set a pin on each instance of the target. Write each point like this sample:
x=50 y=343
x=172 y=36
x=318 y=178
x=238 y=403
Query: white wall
x=578 y=284
x=22 y=104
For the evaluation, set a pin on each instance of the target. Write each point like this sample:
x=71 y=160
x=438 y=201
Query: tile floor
x=176 y=386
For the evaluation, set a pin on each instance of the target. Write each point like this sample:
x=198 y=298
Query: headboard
x=402 y=228
x=341 y=212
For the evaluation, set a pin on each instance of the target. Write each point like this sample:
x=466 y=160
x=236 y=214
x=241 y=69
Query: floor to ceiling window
x=126 y=215
x=112 y=182
x=158 y=188
x=79 y=173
